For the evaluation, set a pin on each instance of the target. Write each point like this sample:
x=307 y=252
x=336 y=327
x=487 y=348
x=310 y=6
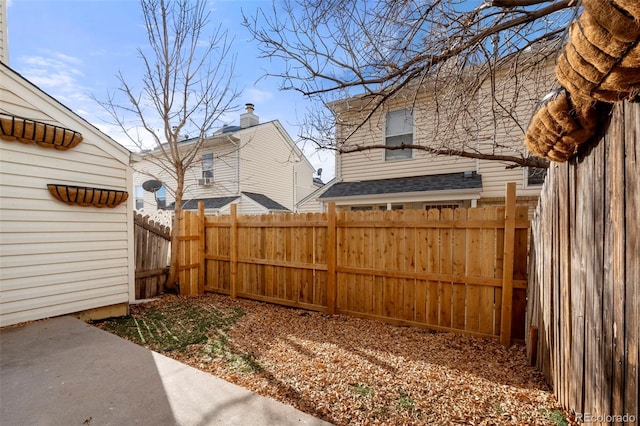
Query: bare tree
x=391 y=50
x=186 y=88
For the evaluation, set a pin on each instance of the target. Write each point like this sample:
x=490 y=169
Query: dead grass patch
x=345 y=370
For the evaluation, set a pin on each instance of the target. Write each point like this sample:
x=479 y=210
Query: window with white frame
x=451 y=206
x=161 y=197
x=207 y=166
x=398 y=132
x=139 y=193
x=535 y=176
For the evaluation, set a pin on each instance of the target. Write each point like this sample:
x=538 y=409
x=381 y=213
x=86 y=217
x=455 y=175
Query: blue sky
x=73 y=48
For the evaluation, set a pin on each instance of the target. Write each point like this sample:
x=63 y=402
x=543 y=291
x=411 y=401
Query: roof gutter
x=443 y=195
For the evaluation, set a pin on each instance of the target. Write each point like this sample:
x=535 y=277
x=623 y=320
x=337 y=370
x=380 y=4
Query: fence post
x=331 y=259
x=508 y=259
x=234 y=250
x=201 y=247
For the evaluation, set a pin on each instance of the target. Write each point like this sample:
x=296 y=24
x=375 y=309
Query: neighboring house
x=254 y=165
x=383 y=179
x=66 y=225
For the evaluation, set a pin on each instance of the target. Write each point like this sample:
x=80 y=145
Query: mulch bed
x=345 y=370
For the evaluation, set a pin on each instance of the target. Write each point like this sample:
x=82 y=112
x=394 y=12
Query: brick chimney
x=248 y=119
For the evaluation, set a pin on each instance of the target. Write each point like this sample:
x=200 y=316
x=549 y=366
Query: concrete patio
x=62 y=371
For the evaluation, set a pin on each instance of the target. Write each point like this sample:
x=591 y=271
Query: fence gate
x=152 y=242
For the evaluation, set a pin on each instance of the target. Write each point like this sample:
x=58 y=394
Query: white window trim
x=525 y=178
x=385 y=136
x=202 y=176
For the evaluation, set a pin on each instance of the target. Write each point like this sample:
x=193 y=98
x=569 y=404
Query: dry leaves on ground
x=349 y=370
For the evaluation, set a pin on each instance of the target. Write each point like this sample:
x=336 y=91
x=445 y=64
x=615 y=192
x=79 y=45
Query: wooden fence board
x=519 y=301
x=446 y=267
x=499 y=261
x=433 y=267
x=487 y=269
x=563 y=253
x=422 y=286
x=151 y=248
x=424 y=269
x=632 y=265
x=584 y=275
x=459 y=268
x=408 y=264
x=615 y=314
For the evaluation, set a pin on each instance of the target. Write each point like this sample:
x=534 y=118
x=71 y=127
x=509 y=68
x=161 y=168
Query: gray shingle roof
x=265 y=201
x=209 y=203
x=443 y=182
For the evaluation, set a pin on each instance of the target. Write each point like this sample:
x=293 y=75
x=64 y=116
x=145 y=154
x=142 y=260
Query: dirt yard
x=345 y=370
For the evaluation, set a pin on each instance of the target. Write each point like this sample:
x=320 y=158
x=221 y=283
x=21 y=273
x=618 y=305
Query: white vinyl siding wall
x=225 y=181
x=508 y=133
x=55 y=258
x=260 y=161
x=474 y=127
x=267 y=164
x=371 y=164
x=312 y=206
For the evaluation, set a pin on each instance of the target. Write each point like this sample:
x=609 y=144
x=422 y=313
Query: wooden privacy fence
x=585 y=277
x=445 y=270
x=151 y=250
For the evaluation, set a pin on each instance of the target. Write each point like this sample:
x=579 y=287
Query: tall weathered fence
x=151 y=251
x=445 y=270
x=584 y=277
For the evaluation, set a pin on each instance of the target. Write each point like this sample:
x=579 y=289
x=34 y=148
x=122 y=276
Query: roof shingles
x=220 y=202
x=265 y=201
x=209 y=203
x=443 y=182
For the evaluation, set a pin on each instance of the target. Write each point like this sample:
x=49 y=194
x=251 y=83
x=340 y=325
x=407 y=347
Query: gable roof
x=443 y=182
x=265 y=201
x=209 y=203
x=233 y=133
x=220 y=202
x=28 y=92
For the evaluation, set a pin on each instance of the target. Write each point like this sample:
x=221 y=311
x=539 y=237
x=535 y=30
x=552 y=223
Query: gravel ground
x=346 y=370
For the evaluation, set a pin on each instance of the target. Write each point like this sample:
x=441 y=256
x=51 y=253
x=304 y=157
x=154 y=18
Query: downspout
x=237 y=168
x=295 y=184
x=479 y=117
x=237 y=164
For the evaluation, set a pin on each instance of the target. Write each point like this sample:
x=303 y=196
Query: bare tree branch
x=379 y=51
x=186 y=86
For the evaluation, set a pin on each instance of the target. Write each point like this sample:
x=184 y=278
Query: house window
x=383 y=207
x=398 y=131
x=535 y=176
x=161 y=197
x=207 y=166
x=361 y=208
x=139 y=192
x=441 y=206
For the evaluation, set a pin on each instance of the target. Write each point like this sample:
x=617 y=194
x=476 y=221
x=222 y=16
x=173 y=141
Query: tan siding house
x=406 y=178
x=58 y=258
x=255 y=165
